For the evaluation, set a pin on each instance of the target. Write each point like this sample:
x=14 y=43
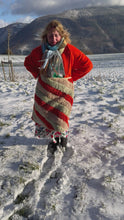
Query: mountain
x=10 y=30
x=93 y=30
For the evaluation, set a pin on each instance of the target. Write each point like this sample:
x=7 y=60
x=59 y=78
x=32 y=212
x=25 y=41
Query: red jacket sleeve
x=81 y=64
x=33 y=61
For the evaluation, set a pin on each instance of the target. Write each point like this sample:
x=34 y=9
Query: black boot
x=64 y=142
x=52 y=146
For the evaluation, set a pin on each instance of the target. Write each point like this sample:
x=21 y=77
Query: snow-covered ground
x=86 y=182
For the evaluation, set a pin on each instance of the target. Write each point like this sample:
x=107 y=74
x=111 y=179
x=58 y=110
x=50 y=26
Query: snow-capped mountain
x=94 y=30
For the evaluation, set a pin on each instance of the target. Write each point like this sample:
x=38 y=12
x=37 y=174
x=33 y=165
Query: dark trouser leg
x=64 y=142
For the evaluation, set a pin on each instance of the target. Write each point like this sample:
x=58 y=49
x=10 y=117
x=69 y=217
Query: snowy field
x=86 y=182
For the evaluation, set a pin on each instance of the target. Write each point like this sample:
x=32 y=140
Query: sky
x=12 y=11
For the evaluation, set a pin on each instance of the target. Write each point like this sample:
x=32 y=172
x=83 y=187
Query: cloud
x=26 y=19
x=45 y=7
x=26 y=11
x=3 y=23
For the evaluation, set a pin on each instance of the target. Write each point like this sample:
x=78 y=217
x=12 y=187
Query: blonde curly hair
x=55 y=24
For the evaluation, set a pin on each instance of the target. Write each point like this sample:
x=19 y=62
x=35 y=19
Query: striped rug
x=53 y=102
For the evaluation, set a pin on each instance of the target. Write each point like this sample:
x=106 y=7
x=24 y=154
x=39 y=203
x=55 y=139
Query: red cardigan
x=76 y=63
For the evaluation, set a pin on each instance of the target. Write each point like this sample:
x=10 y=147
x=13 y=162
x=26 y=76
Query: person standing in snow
x=56 y=63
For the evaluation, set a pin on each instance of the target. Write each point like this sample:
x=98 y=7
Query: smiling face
x=53 y=37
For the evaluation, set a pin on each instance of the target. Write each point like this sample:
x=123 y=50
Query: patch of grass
x=20 y=198
x=3 y=124
x=24 y=212
x=108 y=179
x=122 y=137
x=100 y=98
x=28 y=167
x=28 y=113
x=104 y=118
x=21 y=180
x=121 y=107
x=13 y=116
x=27 y=93
x=7 y=135
x=101 y=91
x=54 y=207
x=115 y=142
x=110 y=125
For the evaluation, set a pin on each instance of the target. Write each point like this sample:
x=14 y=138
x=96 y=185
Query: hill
x=94 y=30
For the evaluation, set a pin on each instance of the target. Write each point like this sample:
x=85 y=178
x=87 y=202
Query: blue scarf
x=49 y=47
x=53 y=63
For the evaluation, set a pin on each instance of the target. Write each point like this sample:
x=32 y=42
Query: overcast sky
x=26 y=10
